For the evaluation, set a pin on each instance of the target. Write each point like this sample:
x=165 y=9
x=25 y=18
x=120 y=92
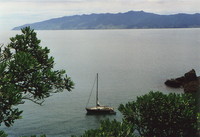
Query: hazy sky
x=18 y=12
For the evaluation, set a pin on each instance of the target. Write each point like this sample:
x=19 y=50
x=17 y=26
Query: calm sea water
x=130 y=63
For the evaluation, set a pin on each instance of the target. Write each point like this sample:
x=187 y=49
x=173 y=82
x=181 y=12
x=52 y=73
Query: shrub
x=160 y=115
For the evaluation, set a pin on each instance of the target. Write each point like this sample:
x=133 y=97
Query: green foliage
x=26 y=72
x=160 y=115
x=111 y=129
x=198 y=123
x=3 y=134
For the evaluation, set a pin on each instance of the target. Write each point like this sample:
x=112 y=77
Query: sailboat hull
x=101 y=110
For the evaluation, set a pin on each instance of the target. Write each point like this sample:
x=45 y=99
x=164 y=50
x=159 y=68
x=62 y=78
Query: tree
x=26 y=73
x=160 y=115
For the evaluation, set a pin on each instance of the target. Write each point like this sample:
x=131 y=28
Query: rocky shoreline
x=189 y=82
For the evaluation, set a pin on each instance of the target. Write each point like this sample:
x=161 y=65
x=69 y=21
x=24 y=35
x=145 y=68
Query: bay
x=130 y=63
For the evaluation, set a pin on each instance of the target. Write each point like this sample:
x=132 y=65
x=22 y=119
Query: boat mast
x=97 y=99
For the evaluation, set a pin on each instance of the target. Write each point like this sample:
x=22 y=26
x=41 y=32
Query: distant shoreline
x=127 y=20
x=107 y=29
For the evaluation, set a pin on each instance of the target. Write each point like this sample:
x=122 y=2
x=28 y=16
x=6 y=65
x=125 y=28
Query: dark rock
x=181 y=80
x=189 y=82
x=191 y=87
x=173 y=83
x=190 y=76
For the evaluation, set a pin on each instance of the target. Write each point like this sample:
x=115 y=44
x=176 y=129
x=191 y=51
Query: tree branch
x=37 y=101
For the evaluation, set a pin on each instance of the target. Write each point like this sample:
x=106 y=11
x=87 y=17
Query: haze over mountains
x=127 y=20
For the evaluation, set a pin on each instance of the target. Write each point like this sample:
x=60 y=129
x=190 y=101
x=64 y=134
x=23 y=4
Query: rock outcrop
x=189 y=82
x=190 y=76
x=175 y=83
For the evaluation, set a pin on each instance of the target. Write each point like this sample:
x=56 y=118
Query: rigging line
x=91 y=91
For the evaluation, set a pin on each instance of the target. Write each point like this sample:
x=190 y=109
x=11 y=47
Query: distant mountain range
x=127 y=20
